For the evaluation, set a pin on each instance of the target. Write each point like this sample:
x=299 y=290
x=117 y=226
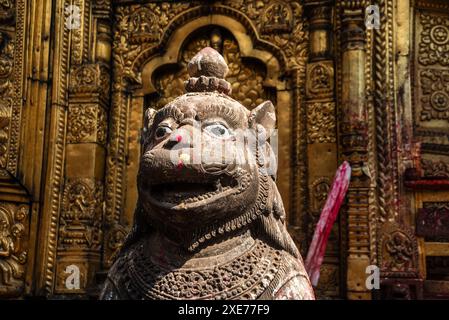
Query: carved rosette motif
x=434 y=45
x=434 y=94
x=432 y=75
x=13 y=248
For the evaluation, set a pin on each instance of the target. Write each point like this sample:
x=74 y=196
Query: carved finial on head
x=207 y=70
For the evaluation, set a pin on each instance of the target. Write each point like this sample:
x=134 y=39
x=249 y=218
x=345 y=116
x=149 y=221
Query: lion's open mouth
x=189 y=191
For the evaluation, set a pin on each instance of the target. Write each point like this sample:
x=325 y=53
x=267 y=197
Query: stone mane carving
x=208 y=229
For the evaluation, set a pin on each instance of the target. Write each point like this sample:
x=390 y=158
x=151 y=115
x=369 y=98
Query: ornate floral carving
x=86 y=123
x=80 y=221
x=321 y=122
x=434 y=42
x=13 y=252
x=434 y=85
x=82 y=122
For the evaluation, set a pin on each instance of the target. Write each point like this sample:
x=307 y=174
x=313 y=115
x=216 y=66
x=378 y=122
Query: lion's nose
x=181 y=138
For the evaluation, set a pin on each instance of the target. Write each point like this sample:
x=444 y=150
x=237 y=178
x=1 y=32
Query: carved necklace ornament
x=209 y=222
x=245 y=277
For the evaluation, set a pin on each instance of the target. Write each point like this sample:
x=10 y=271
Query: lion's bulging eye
x=162 y=132
x=218 y=130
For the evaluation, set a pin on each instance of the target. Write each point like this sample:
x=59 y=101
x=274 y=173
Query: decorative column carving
x=354 y=142
x=80 y=222
x=14 y=196
x=80 y=232
x=321 y=135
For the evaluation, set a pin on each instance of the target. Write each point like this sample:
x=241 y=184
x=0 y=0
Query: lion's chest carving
x=209 y=222
x=246 y=277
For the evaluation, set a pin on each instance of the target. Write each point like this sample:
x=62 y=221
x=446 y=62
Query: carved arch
x=234 y=21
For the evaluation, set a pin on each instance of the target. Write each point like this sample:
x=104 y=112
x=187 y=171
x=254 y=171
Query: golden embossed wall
x=77 y=75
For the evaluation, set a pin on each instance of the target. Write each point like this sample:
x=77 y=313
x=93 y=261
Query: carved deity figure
x=10 y=269
x=401 y=250
x=209 y=223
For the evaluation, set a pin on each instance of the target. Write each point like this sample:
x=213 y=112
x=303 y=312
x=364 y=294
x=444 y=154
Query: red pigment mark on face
x=178 y=138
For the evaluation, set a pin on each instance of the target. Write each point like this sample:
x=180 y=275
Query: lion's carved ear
x=264 y=114
x=148 y=120
x=147 y=123
x=263 y=120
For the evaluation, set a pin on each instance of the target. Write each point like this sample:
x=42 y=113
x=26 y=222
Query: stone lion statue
x=208 y=224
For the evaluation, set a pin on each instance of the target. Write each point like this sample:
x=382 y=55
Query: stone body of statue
x=208 y=226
